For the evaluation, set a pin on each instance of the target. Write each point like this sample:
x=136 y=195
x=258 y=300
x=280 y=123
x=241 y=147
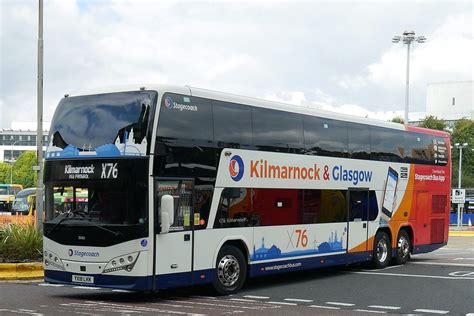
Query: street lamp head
x=409 y=33
x=456 y=144
x=396 y=39
x=465 y=144
x=421 y=39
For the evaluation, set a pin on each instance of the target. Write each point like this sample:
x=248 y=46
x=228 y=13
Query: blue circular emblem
x=169 y=102
x=236 y=168
x=144 y=242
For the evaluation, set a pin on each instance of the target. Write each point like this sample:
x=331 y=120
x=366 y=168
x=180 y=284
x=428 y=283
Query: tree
x=463 y=132
x=4 y=172
x=398 y=119
x=433 y=122
x=23 y=169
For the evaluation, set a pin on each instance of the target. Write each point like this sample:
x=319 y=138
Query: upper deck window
x=90 y=121
x=185 y=117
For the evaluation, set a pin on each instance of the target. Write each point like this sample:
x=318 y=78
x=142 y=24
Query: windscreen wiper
x=108 y=230
x=65 y=218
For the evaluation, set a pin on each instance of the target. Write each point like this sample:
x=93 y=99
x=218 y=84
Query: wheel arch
x=239 y=242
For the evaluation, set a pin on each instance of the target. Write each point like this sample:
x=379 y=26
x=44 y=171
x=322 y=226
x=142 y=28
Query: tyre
x=403 y=248
x=382 y=250
x=231 y=270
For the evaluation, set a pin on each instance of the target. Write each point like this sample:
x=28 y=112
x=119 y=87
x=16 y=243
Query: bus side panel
x=431 y=206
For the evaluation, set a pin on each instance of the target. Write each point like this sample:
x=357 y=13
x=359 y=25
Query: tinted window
x=359 y=141
x=202 y=202
x=277 y=130
x=90 y=121
x=184 y=159
x=325 y=137
x=387 y=144
x=243 y=207
x=232 y=124
x=325 y=206
x=235 y=208
x=184 y=117
x=420 y=148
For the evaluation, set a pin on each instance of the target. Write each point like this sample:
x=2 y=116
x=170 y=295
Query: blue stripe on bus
x=427 y=248
x=103 y=280
x=273 y=267
x=174 y=280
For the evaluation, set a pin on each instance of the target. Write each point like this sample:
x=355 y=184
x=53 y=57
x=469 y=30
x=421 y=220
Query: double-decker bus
x=190 y=186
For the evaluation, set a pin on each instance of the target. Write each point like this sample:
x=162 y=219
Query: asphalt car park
x=441 y=282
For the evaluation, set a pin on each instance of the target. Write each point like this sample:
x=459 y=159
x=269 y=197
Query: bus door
x=174 y=250
x=358 y=216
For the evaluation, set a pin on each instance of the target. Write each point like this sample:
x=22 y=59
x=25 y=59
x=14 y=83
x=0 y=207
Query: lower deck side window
x=247 y=207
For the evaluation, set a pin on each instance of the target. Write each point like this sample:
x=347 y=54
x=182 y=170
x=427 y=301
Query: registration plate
x=83 y=279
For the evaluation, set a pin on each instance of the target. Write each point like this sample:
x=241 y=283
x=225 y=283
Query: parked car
x=24 y=202
x=7 y=195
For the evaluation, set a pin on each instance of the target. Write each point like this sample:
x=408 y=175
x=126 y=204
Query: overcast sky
x=334 y=53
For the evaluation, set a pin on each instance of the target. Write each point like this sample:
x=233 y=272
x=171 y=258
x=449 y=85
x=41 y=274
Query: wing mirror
x=167 y=213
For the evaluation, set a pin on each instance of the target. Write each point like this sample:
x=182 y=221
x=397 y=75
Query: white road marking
x=386 y=268
x=49 y=284
x=205 y=297
x=282 y=303
x=257 y=297
x=470 y=314
x=456 y=259
x=384 y=307
x=121 y=291
x=339 y=303
x=369 y=311
x=450 y=253
x=242 y=300
x=449 y=264
x=325 y=307
x=412 y=275
x=87 y=287
x=298 y=300
x=431 y=311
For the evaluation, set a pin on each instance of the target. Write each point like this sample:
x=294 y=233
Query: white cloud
x=299 y=98
x=446 y=56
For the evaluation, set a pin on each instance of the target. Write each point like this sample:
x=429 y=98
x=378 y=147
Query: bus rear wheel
x=231 y=270
x=403 y=248
x=382 y=250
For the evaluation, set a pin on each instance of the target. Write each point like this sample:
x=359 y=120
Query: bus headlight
x=125 y=262
x=53 y=260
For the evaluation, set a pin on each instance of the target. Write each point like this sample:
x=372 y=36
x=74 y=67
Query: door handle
x=364 y=225
x=187 y=237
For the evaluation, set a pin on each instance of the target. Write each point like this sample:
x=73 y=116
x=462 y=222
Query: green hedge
x=20 y=242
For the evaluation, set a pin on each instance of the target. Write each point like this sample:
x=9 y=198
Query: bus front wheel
x=403 y=248
x=231 y=270
x=382 y=250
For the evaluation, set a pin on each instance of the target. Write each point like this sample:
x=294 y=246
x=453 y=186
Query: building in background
x=450 y=101
x=19 y=138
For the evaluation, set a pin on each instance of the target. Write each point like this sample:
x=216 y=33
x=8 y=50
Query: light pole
x=407 y=38
x=39 y=129
x=460 y=147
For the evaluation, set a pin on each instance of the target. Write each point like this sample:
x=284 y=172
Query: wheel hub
x=382 y=250
x=228 y=270
x=403 y=247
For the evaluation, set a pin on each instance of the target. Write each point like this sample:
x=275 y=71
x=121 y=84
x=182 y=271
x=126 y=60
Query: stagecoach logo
x=236 y=168
x=82 y=253
x=168 y=102
x=171 y=104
